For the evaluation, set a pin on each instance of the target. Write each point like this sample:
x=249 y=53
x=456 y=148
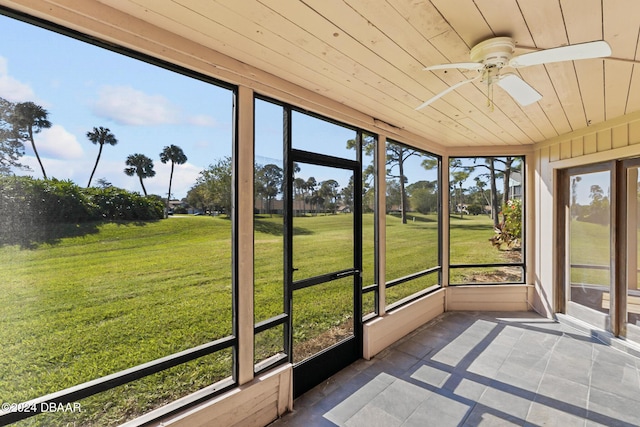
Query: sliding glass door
x=600 y=210
x=588 y=240
x=630 y=295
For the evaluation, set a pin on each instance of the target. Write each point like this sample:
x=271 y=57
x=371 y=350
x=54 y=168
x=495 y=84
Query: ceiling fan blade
x=446 y=91
x=458 y=65
x=597 y=49
x=519 y=90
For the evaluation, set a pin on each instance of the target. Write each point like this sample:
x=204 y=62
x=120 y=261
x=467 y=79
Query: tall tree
x=393 y=195
x=100 y=136
x=480 y=184
x=269 y=179
x=329 y=193
x=11 y=148
x=140 y=165
x=212 y=190
x=176 y=156
x=495 y=209
x=424 y=196
x=299 y=188
x=506 y=177
x=29 y=119
x=368 y=171
x=492 y=164
x=347 y=194
x=310 y=187
x=396 y=156
x=457 y=178
x=103 y=183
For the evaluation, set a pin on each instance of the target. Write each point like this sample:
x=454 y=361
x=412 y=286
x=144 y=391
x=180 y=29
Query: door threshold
x=606 y=337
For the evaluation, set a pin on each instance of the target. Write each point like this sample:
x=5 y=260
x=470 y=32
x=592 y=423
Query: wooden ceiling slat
x=617 y=83
x=621 y=23
x=544 y=20
x=591 y=82
x=550 y=106
x=585 y=27
x=582 y=19
x=393 y=25
x=506 y=20
x=620 y=27
x=465 y=19
x=369 y=55
x=186 y=22
x=633 y=98
x=304 y=68
x=359 y=59
x=563 y=76
x=422 y=16
x=390 y=23
x=547 y=25
x=361 y=29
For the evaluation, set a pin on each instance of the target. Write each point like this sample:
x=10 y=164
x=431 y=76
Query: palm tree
x=140 y=165
x=100 y=136
x=30 y=118
x=175 y=155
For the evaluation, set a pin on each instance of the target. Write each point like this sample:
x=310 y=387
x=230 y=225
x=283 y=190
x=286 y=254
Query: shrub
x=512 y=214
x=509 y=232
x=117 y=204
x=475 y=209
x=29 y=207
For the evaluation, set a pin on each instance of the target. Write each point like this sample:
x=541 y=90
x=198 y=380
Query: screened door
x=324 y=257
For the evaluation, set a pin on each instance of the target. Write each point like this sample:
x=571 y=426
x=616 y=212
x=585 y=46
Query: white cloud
x=57 y=143
x=129 y=106
x=12 y=89
x=184 y=176
x=202 y=120
x=55 y=168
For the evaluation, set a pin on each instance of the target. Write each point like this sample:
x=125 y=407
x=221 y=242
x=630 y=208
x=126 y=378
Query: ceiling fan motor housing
x=494 y=52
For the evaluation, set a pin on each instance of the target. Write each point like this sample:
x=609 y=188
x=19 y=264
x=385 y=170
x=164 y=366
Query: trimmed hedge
x=30 y=207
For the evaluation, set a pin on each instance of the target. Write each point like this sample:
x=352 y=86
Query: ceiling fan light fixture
x=491 y=56
x=518 y=89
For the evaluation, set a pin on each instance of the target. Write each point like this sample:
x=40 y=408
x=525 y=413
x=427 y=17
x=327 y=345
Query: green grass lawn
x=128 y=293
x=94 y=305
x=469 y=244
x=590 y=245
x=410 y=248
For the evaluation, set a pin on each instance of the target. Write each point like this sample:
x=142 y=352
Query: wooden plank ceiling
x=370 y=55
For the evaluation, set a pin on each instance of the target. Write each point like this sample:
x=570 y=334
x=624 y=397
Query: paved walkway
x=481 y=369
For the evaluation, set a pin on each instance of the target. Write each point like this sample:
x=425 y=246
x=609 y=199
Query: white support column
x=244 y=189
x=381 y=185
x=444 y=198
x=529 y=218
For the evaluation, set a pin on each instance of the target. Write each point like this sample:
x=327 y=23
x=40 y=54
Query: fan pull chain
x=490 y=97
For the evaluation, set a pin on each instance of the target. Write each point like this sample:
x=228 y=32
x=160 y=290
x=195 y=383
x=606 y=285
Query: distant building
x=515 y=185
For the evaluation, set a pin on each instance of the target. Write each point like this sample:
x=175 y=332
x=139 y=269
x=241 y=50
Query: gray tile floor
x=481 y=369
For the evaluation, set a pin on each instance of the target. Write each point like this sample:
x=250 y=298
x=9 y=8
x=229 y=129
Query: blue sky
x=146 y=107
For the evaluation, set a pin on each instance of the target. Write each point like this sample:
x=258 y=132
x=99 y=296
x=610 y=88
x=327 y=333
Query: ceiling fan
x=489 y=57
